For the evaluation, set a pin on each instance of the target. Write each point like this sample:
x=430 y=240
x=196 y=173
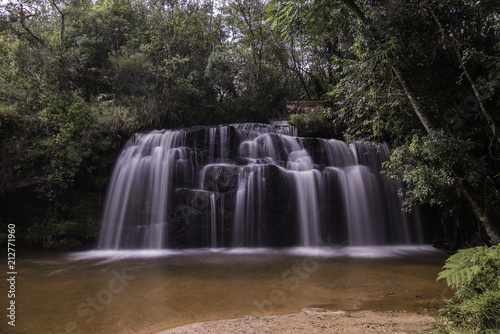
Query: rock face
x=220 y=178
x=251 y=185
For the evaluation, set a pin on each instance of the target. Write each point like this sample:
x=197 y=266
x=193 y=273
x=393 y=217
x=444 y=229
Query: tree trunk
x=488 y=117
x=486 y=222
x=481 y=215
x=458 y=52
x=296 y=69
x=357 y=11
x=413 y=101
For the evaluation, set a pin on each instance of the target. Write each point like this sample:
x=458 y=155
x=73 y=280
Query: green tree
x=52 y=131
x=251 y=68
x=399 y=68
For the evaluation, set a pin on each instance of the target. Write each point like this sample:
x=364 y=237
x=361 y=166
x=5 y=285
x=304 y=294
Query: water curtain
x=251 y=185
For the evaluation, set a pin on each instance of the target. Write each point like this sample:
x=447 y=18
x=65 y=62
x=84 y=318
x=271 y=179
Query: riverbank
x=316 y=320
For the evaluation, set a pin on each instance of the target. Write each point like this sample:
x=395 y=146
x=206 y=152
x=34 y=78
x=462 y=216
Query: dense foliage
x=425 y=76
x=77 y=78
x=475 y=274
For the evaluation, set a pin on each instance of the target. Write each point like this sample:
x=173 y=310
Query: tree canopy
x=77 y=78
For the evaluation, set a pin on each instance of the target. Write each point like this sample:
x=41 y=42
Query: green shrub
x=475 y=274
x=65 y=234
x=314 y=125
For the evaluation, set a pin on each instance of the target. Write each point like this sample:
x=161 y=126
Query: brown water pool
x=148 y=291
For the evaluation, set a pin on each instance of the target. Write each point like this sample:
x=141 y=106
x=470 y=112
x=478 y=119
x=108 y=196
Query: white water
x=320 y=251
x=251 y=185
x=139 y=190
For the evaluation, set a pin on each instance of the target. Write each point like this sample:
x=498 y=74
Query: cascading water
x=251 y=185
x=138 y=197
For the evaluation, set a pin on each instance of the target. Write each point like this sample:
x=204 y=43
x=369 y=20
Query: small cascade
x=309 y=195
x=252 y=185
x=217 y=137
x=362 y=205
x=338 y=153
x=249 y=215
x=213 y=221
x=281 y=128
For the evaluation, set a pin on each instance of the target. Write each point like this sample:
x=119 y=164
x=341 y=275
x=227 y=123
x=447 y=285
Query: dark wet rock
x=220 y=178
x=193 y=223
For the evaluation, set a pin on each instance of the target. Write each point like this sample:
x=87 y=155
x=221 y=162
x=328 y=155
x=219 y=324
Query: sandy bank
x=315 y=320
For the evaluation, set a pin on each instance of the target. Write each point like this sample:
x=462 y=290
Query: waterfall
x=138 y=196
x=251 y=185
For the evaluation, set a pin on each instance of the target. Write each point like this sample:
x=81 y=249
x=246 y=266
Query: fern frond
x=473 y=271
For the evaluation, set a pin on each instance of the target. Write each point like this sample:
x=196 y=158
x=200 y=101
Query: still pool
x=149 y=291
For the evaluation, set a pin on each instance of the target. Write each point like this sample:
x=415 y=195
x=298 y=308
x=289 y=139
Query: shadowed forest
x=78 y=78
